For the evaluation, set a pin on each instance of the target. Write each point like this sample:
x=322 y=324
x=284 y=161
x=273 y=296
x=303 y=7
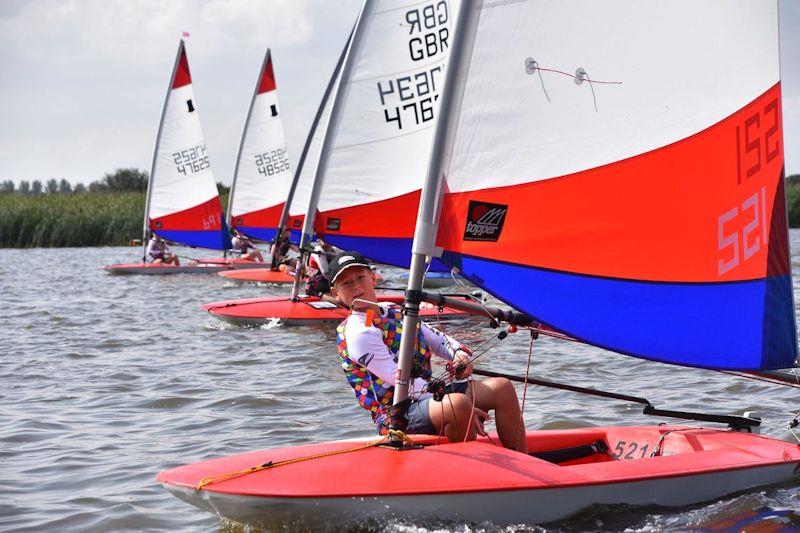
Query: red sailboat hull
x=263 y=275
x=161 y=268
x=306 y=310
x=479 y=481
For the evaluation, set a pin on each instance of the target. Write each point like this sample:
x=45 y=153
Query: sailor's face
x=355 y=284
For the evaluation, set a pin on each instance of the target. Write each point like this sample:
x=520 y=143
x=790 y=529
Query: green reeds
x=78 y=219
x=59 y=220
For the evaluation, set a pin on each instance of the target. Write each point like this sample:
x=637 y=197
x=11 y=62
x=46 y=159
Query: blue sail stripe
x=258 y=233
x=389 y=251
x=693 y=324
x=212 y=239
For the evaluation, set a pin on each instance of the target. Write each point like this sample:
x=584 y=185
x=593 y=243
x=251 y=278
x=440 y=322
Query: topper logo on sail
x=484 y=221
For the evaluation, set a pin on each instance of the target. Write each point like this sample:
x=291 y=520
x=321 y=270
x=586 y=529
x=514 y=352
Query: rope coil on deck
x=208 y=480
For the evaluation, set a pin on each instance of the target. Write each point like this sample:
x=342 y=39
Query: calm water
x=107 y=380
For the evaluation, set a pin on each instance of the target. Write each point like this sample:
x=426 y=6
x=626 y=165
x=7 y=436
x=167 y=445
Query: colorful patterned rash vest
x=372 y=393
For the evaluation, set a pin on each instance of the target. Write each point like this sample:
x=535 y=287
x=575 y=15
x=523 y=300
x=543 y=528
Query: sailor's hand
x=479 y=416
x=461 y=365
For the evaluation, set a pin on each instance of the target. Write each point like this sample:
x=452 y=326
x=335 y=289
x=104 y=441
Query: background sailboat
x=358 y=161
x=183 y=204
x=294 y=206
x=263 y=175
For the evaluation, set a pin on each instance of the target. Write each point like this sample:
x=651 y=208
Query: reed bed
x=72 y=220
x=62 y=220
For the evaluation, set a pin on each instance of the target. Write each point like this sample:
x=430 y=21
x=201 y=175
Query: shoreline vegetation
x=109 y=211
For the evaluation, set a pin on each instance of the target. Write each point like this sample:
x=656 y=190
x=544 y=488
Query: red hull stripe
x=263 y=218
x=391 y=218
x=706 y=208
x=206 y=216
x=267 y=79
x=182 y=75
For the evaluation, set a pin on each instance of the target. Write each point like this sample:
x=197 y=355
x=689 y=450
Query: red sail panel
x=182 y=75
x=267 y=78
x=390 y=218
x=263 y=218
x=206 y=216
x=706 y=208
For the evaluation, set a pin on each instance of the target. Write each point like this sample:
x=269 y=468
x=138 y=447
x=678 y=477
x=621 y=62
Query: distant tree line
x=121 y=180
x=109 y=212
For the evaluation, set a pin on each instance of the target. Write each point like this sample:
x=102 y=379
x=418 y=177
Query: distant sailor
x=368 y=343
x=160 y=252
x=244 y=246
x=317 y=283
x=280 y=252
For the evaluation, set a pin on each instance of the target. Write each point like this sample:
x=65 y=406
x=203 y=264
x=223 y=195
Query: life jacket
x=372 y=393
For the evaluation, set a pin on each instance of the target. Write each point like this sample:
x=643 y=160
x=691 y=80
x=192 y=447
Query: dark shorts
x=419 y=420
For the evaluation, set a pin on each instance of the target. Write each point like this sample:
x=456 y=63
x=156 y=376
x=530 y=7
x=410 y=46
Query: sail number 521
x=738 y=245
x=742 y=229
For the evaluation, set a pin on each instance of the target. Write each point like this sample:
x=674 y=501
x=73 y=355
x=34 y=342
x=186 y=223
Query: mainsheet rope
x=208 y=480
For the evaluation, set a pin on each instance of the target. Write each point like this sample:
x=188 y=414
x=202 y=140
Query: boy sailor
x=368 y=342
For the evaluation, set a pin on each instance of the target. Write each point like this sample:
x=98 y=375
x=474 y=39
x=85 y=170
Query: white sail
x=618 y=183
x=183 y=201
x=305 y=182
x=263 y=174
x=378 y=142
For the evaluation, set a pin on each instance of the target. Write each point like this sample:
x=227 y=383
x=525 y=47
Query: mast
x=427 y=216
x=146 y=224
x=356 y=36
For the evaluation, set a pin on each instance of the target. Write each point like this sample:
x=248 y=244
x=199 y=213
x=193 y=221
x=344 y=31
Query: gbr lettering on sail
x=408 y=98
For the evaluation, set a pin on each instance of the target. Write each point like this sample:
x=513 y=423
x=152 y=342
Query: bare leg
x=499 y=394
x=453 y=414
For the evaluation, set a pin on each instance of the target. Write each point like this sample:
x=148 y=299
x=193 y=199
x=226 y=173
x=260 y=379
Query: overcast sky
x=82 y=82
